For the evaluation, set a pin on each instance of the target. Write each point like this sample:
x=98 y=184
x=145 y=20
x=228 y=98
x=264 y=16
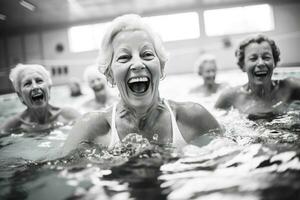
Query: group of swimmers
x=132 y=57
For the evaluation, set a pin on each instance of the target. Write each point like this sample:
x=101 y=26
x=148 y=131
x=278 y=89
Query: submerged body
x=32 y=84
x=207 y=68
x=261 y=96
x=102 y=97
x=136 y=65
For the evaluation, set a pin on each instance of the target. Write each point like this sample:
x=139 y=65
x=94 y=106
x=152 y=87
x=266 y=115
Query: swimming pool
x=252 y=160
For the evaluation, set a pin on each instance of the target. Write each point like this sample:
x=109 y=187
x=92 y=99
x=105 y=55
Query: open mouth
x=139 y=84
x=37 y=96
x=261 y=73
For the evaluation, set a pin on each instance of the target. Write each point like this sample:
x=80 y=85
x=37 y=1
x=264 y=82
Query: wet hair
x=129 y=22
x=91 y=70
x=199 y=64
x=240 y=52
x=15 y=73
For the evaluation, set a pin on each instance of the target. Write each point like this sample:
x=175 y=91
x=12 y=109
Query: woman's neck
x=142 y=117
x=210 y=86
x=143 y=111
x=260 y=91
x=40 y=115
x=101 y=98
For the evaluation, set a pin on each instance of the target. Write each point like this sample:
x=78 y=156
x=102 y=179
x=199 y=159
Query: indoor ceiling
x=30 y=15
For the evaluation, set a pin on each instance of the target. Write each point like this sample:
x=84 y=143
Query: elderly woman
x=97 y=82
x=206 y=67
x=261 y=96
x=32 y=84
x=133 y=58
x=74 y=86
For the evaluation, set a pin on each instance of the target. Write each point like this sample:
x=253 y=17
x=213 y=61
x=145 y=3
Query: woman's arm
x=87 y=128
x=226 y=99
x=194 y=120
x=294 y=85
x=11 y=124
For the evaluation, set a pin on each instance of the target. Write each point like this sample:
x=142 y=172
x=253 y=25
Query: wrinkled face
x=209 y=71
x=97 y=83
x=259 y=63
x=136 y=68
x=34 y=90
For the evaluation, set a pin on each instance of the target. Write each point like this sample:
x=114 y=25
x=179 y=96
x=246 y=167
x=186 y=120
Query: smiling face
x=96 y=83
x=136 y=68
x=259 y=63
x=209 y=70
x=34 y=90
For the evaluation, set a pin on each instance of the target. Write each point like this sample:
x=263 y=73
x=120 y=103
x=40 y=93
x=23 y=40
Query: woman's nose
x=137 y=65
x=34 y=84
x=260 y=61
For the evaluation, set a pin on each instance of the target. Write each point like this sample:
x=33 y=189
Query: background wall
x=42 y=47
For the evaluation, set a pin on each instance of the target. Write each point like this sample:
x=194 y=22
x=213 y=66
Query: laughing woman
x=132 y=57
x=261 y=97
x=32 y=84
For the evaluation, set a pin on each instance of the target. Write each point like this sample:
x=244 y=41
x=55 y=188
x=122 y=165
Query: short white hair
x=15 y=73
x=92 y=70
x=129 y=22
x=201 y=60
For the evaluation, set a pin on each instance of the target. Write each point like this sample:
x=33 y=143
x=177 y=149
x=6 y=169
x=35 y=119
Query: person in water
x=133 y=58
x=75 y=88
x=206 y=67
x=32 y=84
x=97 y=82
x=261 y=96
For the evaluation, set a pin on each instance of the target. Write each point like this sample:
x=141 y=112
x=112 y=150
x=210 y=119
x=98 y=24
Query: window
x=173 y=27
x=86 y=38
x=170 y=27
x=256 y=18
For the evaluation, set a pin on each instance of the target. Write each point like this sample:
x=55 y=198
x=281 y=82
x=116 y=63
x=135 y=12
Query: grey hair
x=15 y=73
x=129 y=22
x=201 y=60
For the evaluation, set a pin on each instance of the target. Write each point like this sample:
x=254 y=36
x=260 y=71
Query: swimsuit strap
x=178 y=140
x=113 y=132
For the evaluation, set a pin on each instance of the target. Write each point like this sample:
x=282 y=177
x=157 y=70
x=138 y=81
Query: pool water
x=251 y=160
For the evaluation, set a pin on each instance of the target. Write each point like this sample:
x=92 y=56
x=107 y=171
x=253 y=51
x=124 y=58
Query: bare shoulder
x=228 y=97
x=12 y=123
x=70 y=113
x=291 y=84
x=193 y=119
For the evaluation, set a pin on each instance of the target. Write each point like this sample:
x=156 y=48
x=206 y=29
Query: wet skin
x=260 y=95
x=136 y=70
x=34 y=93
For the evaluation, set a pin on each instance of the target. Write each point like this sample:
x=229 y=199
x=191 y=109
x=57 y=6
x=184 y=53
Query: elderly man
x=32 y=84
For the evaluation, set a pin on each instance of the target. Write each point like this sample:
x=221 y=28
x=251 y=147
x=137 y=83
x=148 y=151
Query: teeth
x=138 y=79
x=260 y=73
x=36 y=95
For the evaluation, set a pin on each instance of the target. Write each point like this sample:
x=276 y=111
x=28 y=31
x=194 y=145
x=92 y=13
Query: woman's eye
x=26 y=84
x=123 y=58
x=252 y=58
x=148 y=55
x=39 y=81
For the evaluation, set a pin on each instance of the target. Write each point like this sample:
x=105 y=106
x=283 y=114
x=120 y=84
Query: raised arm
x=86 y=129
